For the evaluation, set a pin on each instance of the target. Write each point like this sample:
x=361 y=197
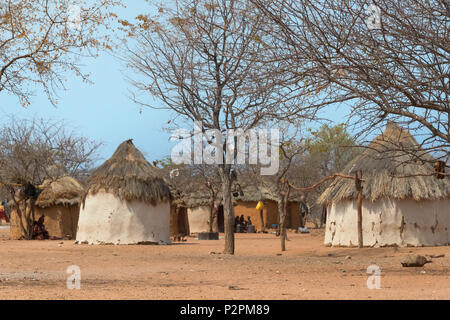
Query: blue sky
x=103 y=110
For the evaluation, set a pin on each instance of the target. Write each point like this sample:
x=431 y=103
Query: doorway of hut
x=220 y=220
x=183 y=222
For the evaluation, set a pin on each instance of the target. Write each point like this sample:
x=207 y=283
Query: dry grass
x=65 y=191
x=387 y=156
x=129 y=176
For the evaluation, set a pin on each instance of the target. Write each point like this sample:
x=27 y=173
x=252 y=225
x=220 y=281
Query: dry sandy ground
x=190 y=270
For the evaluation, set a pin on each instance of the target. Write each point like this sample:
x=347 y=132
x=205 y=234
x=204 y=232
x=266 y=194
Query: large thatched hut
x=59 y=203
x=127 y=202
x=399 y=206
x=246 y=205
x=244 y=202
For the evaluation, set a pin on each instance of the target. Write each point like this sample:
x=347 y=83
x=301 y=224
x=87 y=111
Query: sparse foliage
x=34 y=150
x=40 y=40
x=214 y=62
x=396 y=71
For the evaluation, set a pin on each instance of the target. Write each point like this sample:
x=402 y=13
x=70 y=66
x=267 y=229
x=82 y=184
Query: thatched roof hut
x=129 y=176
x=384 y=164
x=402 y=203
x=127 y=201
x=245 y=197
x=65 y=191
x=266 y=192
x=59 y=203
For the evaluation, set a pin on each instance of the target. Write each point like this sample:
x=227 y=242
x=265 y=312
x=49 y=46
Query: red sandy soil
x=197 y=270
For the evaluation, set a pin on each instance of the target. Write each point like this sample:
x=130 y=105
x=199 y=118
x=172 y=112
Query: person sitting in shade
x=236 y=222
x=40 y=232
x=243 y=223
x=249 y=223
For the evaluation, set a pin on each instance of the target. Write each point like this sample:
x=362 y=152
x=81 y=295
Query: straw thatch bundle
x=254 y=193
x=201 y=197
x=386 y=164
x=65 y=191
x=250 y=193
x=129 y=176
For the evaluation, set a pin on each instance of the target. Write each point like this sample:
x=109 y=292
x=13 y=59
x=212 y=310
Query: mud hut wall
x=390 y=222
x=179 y=223
x=60 y=221
x=106 y=219
x=198 y=219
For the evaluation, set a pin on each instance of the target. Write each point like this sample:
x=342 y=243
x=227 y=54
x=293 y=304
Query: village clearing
x=197 y=270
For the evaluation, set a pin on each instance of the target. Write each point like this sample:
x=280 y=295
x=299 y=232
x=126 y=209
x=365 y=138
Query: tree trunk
x=228 y=210
x=283 y=196
x=261 y=216
x=282 y=214
x=29 y=220
x=211 y=217
x=23 y=213
x=360 y=234
x=288 y=220
x=22 y=226
x=282 y=211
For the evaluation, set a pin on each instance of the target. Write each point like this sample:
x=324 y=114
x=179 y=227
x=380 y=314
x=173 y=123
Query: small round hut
x=198 y=212
x=402 y=204
x=59 y=203
x=127 y=202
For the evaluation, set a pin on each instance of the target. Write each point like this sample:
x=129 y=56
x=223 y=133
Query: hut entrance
x=183 y=222
x=220 y=219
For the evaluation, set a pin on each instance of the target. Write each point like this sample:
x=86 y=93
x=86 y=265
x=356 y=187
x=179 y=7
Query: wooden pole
x=358 y=184
x=360 y=234
x=359 y=188
x=261 y=216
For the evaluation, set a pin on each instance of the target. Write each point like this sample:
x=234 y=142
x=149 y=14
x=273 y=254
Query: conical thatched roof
x=386 y=156
x=64 y=191
x=129 y=176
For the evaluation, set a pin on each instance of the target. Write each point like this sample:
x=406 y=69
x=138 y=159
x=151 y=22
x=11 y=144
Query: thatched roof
x=129 y=176
x=250 y=193
x=386 y=156
x=64 y=191
x=201 y=197
x=254 y=193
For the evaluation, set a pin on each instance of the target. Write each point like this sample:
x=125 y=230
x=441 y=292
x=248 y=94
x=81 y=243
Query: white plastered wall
x=198 y=219
x=105 y=219
x=388 y=222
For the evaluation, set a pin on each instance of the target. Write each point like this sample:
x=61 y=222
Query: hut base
x=389 y=222
x=208 y=236
x=105 y=219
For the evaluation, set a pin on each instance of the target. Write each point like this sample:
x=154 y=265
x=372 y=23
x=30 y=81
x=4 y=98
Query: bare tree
x=386 y=59
x=215 y=63
x=32 y=151
x=291 y=149
x=42 y=39
x=188 y=180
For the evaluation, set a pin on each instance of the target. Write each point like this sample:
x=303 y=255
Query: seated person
x=39 y=231
x=236 y=221
x=243 y=223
